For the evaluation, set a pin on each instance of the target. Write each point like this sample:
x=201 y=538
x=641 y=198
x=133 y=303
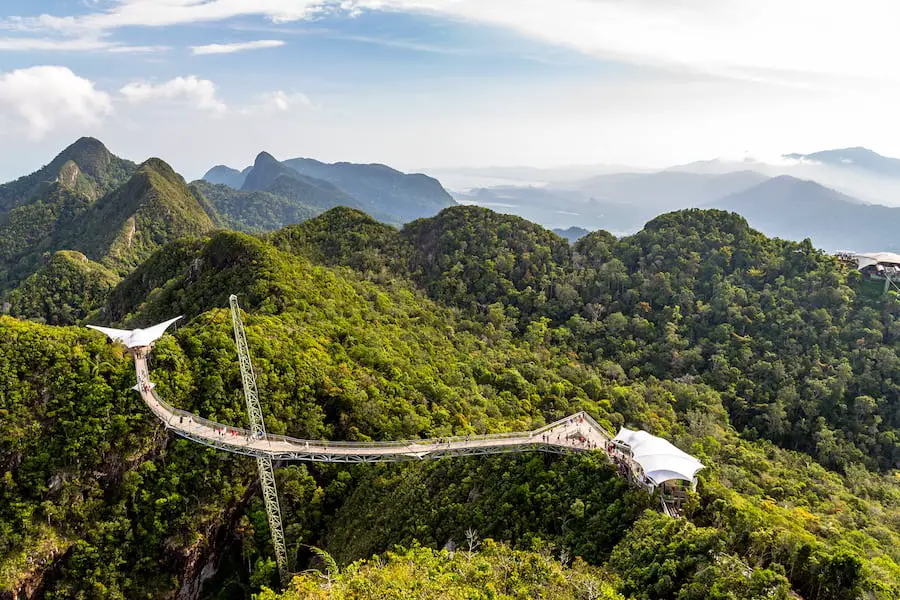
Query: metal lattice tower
x=258 y=429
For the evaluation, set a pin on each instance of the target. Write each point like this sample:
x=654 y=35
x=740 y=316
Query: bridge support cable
x=258 y=430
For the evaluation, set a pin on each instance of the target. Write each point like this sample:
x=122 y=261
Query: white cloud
x=236 y=47
x=278 y=101
x=160 y=13
x=769 y=39
x=200 y=93
x=283 y=101
x=47 y=97
x=734 y=38
x=76 y=44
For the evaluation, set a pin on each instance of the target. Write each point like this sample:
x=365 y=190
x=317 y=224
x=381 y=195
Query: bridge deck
x=576 y=433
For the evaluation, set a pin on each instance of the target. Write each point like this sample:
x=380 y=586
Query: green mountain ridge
x=102 y=169
x=253 y=212
x=40 y=206
x=343 y=353
x=123 y=228
x=768 y=360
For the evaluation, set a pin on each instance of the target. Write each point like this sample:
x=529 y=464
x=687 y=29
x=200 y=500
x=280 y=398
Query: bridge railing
x=185 y=419
x=593 y=422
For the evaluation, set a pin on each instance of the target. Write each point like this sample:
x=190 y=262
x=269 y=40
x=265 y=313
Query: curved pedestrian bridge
x=577 y=433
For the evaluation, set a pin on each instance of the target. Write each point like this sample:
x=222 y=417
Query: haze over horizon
x=443 y=83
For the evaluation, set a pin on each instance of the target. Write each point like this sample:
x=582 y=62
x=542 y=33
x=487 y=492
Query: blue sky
x=428 y=83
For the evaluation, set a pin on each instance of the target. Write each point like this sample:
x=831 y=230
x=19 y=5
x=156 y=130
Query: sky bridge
x=645 y=460
x=576 y=433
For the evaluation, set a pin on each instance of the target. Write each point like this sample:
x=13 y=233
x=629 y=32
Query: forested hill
x=98 y=171
x=739 y=348
x=37 y=208
x=804 y=352
x=114 y=212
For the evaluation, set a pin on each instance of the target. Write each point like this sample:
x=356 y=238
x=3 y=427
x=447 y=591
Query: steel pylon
x=258 y=430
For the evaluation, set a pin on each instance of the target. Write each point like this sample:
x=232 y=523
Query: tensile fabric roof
x=660 y=460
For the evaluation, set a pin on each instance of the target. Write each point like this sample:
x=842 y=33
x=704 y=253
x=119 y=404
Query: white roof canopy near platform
x=136 y=338
x=866 y=259
x=660 y=460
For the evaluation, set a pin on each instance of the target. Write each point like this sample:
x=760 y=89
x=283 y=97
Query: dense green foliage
x=63 y=292
x=360 y=331
x=492 y=571
x=123 y=228
x=364 y=244
x=805 y=354
x=38 y=208
x=95 y=203
x=252 y=211
x=102 y=170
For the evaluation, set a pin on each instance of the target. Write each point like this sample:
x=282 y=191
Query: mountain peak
x=264 y=158
x=266 y=169
x=91 y=156
x=161 y=167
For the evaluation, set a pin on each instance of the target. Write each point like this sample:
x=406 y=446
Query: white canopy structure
x=135 y=338
x=660 y=460
x=867 y=259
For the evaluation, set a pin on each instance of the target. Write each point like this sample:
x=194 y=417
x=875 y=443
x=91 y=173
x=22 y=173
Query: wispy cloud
x=236 y=47
x=278 y=101
x=156 y=13
x=48 y=97
x=199 y=93
x=724 y=37
x=77 y=44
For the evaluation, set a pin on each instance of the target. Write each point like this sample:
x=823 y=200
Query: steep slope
x=220 y=174
x=266 y=169
x=252 y=211
x=380 y=188
x=123 y=228
x=43 y=204
x=102 y=172
x=64 y=291
x=791 y=208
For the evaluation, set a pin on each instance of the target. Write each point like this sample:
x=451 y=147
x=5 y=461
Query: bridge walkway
x=576 y=433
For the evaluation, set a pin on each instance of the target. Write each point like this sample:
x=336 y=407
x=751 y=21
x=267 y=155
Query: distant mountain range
x=107 y=214
x=379 y=190
x=853 y=158
x=794 y=209
x=816 y=198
